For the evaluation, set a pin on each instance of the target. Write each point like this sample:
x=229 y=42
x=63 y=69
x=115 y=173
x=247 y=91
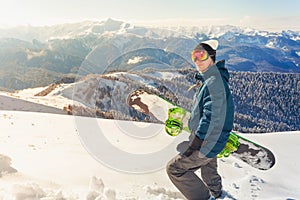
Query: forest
x=264 y=101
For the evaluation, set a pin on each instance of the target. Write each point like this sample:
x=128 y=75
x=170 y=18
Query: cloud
x=183 y=22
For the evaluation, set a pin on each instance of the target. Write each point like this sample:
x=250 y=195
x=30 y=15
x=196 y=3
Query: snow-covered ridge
x=58 y=98
x=106 y=95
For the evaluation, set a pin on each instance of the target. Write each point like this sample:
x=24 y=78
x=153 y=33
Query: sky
x=266 y=14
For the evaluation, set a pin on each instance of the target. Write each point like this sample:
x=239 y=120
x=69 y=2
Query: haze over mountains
x=37 y=56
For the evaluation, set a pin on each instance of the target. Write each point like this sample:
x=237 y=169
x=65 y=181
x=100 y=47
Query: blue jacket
x=213 y=112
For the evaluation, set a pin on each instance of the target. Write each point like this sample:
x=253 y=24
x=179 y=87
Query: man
x=210 y=123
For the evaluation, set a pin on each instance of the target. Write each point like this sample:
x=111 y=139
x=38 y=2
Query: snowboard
x=176 y=119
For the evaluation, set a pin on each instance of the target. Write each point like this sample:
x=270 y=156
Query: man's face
x=202 y=66
x=201 y=59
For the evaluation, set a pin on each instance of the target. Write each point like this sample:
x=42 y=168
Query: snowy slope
x=54 y=99
x=52 y=163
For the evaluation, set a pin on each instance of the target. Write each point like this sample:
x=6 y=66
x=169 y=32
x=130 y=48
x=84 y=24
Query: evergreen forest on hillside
x=264 y=101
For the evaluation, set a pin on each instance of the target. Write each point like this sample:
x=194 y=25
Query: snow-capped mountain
x=65 y=31
x=49 y=53
x=75 y=30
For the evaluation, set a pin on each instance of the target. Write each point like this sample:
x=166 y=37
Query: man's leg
x=181 y=171
x=211 y=177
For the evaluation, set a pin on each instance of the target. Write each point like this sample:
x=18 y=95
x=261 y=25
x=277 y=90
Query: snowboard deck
x=240 y=147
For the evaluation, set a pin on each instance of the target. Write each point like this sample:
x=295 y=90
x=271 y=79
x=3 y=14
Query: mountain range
x=37 y=56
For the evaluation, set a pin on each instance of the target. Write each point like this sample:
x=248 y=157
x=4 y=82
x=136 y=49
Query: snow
x=165 y=75
x=135 y=60
x=128 y=75
x=60 y=97
x=270 y=44
x=32 y=54
x=45 y=156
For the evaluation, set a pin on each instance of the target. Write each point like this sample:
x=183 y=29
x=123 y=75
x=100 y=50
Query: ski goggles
x=199 y=55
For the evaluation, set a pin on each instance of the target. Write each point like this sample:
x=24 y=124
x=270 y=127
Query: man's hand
x=186 y=148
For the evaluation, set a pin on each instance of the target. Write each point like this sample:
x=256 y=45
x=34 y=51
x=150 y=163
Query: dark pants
x=181 y=171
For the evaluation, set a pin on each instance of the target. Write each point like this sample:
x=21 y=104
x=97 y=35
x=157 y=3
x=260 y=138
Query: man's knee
x=173 y=170
x=170 y=168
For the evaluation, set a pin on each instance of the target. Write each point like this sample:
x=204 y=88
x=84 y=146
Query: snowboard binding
x=231 y=146
x=174 y=125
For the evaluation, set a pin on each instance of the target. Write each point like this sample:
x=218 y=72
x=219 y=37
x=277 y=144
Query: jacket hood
x=224 y=72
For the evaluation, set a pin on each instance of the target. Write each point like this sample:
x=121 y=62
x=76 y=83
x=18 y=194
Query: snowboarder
x=210 y=123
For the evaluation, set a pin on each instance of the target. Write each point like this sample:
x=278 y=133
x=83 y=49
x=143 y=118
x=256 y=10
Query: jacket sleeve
x=213 y=113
